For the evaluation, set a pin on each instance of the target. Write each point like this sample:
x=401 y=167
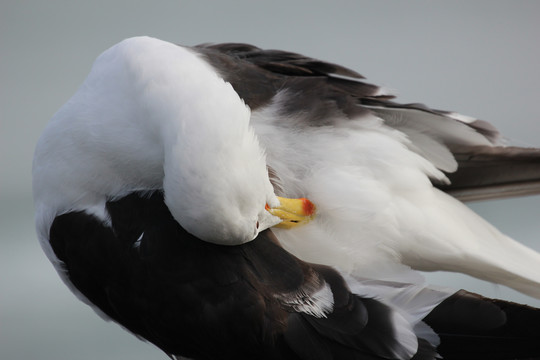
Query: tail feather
x=459 y=240
x=486 y=172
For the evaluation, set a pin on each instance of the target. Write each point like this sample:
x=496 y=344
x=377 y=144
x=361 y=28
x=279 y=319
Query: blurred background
x=479 y=58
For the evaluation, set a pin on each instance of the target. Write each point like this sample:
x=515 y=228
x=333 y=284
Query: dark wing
x=256 y=301
x=467 y=149
x=315 y=89
x=474 y=327
x=158 y=281
x=206 y=301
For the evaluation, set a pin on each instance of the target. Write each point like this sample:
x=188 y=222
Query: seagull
x=223 y=201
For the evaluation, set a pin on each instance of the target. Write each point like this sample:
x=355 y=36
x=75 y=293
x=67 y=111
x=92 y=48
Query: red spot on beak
x=308 y=206
x=266 y=207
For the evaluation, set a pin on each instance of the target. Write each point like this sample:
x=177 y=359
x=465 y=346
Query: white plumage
x=153 y=116
x=369 y=178
x=377 y=209
x=139 y=122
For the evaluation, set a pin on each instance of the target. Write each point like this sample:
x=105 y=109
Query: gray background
x=476 y=57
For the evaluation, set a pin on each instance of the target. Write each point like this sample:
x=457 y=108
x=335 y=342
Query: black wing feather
x=474 y=327
x=182 y=294
x=315 y=95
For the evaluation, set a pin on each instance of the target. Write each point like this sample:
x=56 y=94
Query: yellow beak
x=293 y=212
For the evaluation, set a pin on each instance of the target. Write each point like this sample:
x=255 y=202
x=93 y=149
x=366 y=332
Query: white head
x=215 y=177
x=153 y=115
x=216 y=180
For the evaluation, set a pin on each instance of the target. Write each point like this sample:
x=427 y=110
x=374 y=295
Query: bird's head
x=227 y=198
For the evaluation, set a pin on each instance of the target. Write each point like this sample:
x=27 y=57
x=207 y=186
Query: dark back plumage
x=317 y=90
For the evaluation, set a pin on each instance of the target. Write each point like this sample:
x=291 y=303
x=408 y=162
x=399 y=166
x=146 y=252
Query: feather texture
x=370 y=165
x=167 y=153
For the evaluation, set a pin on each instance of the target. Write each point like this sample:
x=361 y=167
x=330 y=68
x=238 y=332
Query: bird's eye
x=257 y=224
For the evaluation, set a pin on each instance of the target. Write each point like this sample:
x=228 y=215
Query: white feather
x=147 y=104
x=153 y=115
x=377 y=211
x=317 y=304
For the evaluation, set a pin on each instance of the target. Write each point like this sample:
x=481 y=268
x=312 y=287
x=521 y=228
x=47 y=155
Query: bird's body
x=167 y=156
x=370 y=166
